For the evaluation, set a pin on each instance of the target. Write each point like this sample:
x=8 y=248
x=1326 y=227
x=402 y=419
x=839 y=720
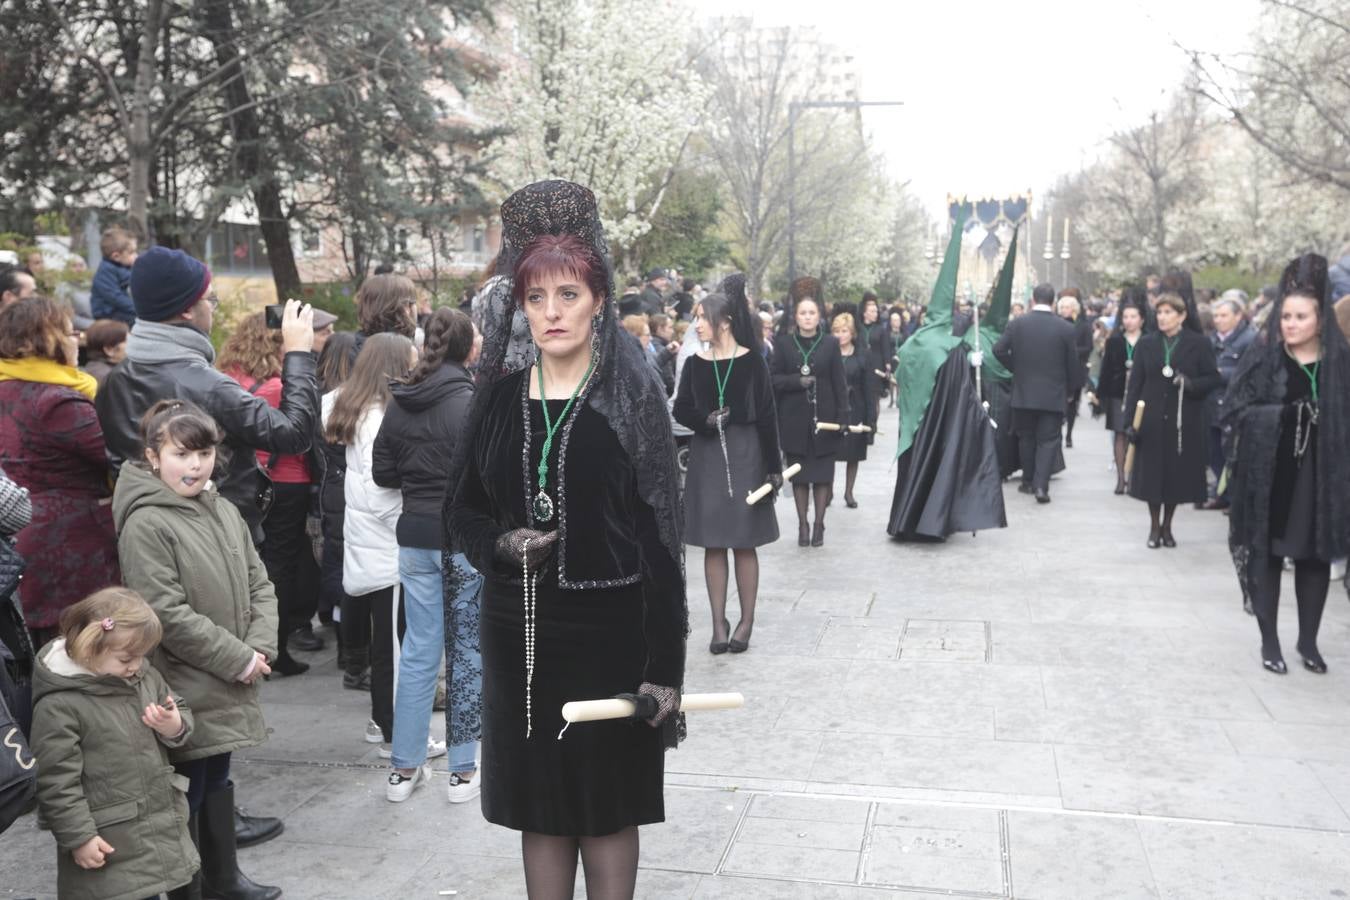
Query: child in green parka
x=103 y=721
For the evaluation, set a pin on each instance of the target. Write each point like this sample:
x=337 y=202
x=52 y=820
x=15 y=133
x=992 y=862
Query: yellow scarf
x=45 y=371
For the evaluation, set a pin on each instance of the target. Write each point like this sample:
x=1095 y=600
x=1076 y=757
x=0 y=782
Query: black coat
x=1227 y=355
x=1040 y=350
x=1162 y=473
x=878 y=359
x=417 y=440
x=749 y=399
x=796 y=418
x=248 y=421
x=1111 y=380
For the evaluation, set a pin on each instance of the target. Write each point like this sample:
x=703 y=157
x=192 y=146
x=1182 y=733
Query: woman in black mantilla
x=1117 y=373
x=862 y=400
x=1287 y=420
x=1173 y=371
x=808 y=380
x=567 y=504
x=725 y=398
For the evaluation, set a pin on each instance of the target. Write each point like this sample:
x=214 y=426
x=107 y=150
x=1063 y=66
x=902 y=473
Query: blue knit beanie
x=166 y=282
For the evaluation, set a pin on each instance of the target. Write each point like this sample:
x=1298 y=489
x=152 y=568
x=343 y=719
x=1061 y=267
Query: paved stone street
x=1051 y=711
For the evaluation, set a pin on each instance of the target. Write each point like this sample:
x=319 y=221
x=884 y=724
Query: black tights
x=1167 y=510
x=850 y=476
x=747 y=587
x=610 y=862
x=802 y=493
x=1312 y=578
x=1121 y=445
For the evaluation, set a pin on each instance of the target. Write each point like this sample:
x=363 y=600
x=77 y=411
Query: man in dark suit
x=1039 y=349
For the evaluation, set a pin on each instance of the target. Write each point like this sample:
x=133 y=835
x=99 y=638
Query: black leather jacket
x=249 y=423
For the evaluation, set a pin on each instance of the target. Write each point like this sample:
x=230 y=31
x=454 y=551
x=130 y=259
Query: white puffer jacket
x=370 y=547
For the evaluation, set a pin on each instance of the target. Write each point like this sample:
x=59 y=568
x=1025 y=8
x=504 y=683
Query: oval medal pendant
x=1168 y=372
x=806 y=370
x=1129 y=364
x=543 y=507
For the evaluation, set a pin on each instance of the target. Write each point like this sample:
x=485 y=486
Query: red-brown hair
x=559 y=254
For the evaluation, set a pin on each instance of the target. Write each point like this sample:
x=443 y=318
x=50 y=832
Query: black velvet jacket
x=749 y=398
x=615 y=541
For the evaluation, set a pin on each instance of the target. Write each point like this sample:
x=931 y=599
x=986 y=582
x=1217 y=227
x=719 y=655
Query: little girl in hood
x=102 y=726
x=190 y=554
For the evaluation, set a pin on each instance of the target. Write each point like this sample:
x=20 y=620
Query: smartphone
x=273 y=313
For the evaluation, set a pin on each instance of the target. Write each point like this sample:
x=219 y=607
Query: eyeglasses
x=212 y=299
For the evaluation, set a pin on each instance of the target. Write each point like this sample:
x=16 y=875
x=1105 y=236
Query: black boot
x=193 y=889
x=252 y=830
x=221 y=877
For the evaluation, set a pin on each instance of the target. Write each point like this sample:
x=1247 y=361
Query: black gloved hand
x=716 y=416
x=776 y=479
x=1131 y=435
x=515 y=547
x=653 y=703
x=807 y=381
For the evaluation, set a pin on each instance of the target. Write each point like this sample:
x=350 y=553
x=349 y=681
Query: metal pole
x=792 y=194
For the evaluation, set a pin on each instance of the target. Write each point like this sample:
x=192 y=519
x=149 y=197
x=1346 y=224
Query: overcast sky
x=1004 y=95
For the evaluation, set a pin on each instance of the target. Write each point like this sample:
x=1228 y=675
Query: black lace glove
x=653 y=703
x=716 y=416
x=776 y=479
x=525 y=544
x=807 y=381
x=1131 y=435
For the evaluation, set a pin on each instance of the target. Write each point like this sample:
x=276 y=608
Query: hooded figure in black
x=1174 y=371
x=567 y=503
x=1287 y=422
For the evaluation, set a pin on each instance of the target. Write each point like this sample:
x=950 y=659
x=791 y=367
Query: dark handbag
x=266 y=493
x=18 y=768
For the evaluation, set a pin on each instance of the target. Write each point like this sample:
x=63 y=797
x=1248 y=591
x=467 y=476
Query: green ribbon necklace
x=1168 y=347
x=721 y=381
x=543 y=504
x=1129 y=354
x=806 y=354
x=1311 y=372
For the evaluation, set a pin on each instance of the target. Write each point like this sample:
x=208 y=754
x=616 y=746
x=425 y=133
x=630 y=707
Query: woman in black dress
x=725 y=398
x=808 y=381
x=1173 y=371
x=567 y=504
x=862 y=401
x=1287 y=418
x=872 y=337
x=1117 y=373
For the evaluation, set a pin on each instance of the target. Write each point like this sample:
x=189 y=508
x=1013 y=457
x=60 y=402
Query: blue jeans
x=423 y=644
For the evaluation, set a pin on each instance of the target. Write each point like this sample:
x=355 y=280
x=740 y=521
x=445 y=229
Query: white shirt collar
x=1042 y=307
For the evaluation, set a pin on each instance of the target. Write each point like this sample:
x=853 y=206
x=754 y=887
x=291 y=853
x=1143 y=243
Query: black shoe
x=850 y=502
x=818 y=536
x=739 y=646
x=1154 y=538
x=1042 y=496
x=286 y=664
x=1167 y=539
x=1120 y=489
x=717 y=648
x=803 y=536
x=304 y=638
x=1312 y=660
x=358 y=681
x=1068 y=442
x=221 y=877
x=249 y=831
x=1276 y=666
x=1025 y=488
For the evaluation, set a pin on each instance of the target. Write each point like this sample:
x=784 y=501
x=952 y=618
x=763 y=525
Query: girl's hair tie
x=107 y=624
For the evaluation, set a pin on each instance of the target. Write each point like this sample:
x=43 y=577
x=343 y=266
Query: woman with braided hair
x=1287 y=420
x=567 y=503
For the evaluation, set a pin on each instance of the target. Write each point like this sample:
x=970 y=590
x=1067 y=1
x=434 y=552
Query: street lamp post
x=794 y=107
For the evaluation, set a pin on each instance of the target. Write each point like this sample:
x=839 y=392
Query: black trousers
x=205 y=776
x=372 y=615
x=289 y=558
x=1037 y=433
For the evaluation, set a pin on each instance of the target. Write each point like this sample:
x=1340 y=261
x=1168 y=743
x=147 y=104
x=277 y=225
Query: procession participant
x=1173 y=372
x=862 y=404
x=1287 y=413
x=872 y=338
x=726 y=399
x=568 y=495
x=808 y=381
x=1117 y=373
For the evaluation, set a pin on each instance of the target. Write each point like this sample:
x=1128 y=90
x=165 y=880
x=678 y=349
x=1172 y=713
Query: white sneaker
x=461 y=791
x=400 y=787
x=435 y=749
x=373 y=733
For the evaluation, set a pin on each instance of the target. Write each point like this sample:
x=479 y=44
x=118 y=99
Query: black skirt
x=600 y=777
x=1116 y=420
x=711 y=518
x=815 y=469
